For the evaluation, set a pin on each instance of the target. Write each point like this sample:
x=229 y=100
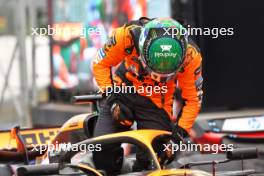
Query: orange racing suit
x=120 y=49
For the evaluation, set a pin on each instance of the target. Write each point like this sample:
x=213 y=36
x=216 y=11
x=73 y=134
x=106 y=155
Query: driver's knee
x=109 y=159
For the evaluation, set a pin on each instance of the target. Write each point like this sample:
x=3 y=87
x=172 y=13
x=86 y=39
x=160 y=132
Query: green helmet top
x=162 y=47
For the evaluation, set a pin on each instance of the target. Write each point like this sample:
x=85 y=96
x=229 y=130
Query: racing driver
x=147 y=54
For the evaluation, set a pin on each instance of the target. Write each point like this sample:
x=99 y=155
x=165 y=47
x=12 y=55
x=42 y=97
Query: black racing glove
x=121 y=113
x=178 y=135
x=119 y=110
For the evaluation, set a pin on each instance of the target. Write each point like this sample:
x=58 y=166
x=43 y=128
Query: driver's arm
x=190 y=83
x=110 y=55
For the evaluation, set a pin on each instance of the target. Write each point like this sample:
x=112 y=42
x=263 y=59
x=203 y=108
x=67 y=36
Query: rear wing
x=31 y=136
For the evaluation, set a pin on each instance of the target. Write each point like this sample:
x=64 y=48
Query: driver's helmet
x=162 y=46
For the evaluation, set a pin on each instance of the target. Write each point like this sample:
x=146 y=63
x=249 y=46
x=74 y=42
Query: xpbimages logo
x=64 y=147
x=147 y=90
x=192 y=147
x=67 y=30
x=197 y=31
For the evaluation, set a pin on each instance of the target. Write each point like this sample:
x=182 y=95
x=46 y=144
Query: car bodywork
x=79 y=130
x=241 y=128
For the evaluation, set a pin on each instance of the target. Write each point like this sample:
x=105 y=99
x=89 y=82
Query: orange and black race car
x=23 y=153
